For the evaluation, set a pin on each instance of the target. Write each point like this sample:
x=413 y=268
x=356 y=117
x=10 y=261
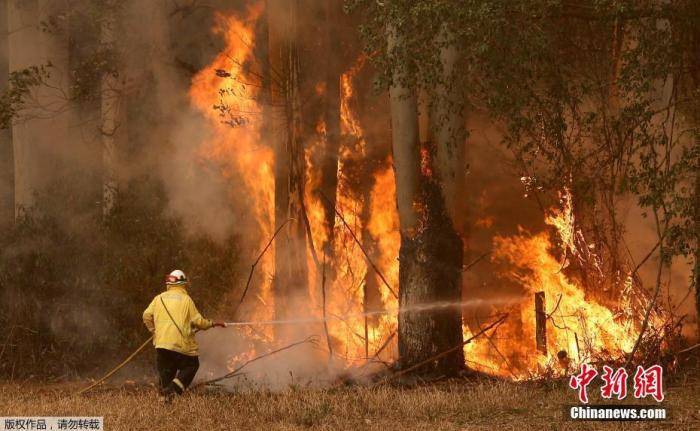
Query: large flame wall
x=227 y=95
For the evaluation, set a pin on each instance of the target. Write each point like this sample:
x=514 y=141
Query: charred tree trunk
x=429 y=272
x=331 y=116
x=290 y=248
x=7 y=197
x=450 y=133
x=430 y=256
x=540 y=323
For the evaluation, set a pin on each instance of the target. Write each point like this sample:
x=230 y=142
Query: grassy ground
x=457 y=405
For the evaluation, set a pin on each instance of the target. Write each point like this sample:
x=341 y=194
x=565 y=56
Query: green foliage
x=82 y=22
x=20 y=84
x=596 y=96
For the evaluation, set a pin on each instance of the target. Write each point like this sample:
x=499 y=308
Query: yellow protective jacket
x=176 y=333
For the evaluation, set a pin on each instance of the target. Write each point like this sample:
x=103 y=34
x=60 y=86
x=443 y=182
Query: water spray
x=415 y=308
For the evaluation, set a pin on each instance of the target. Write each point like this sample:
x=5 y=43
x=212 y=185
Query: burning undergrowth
x=352 y=279
x=573 y=326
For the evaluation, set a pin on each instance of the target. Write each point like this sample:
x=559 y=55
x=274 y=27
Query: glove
x=218 y=324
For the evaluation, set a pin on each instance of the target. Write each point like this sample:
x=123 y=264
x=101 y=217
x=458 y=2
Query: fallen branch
x=646 y=258
x=359 y=244
x=384 y=345
x=556 y=307
x=375 y=358
x=652 y=302
x=475 y=261
x=688 y=349
x=505 y=360
x=442 y=354
x=311 y=339
x=252 y=267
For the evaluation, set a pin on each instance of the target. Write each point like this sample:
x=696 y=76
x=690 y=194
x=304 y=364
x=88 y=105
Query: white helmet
x=176 y=277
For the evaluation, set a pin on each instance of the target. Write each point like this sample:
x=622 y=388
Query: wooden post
x=540 y=323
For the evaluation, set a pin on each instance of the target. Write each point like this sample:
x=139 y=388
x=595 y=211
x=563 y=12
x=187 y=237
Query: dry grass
x=450 y=406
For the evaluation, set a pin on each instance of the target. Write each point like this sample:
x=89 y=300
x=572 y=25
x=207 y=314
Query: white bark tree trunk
x=405 y=144
x=23 y=32
x=112 y=117
x=43 y=126
x=431 y=253
x=450 y=133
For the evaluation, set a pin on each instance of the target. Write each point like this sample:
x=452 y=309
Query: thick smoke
x=162 y=46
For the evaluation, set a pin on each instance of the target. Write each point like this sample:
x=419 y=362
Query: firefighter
x=172 y=318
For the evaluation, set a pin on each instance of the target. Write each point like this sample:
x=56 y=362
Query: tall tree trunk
x=405 y=145
x=112 y=116
x=46 y=121
x=450 y=134
x=23 y=22
x=7 y=197
x=331 y=116
x=291 y=294
x=430 y=249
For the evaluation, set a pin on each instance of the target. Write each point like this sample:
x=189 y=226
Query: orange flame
x=224 y=94
x=576 y=324
x=578 y=328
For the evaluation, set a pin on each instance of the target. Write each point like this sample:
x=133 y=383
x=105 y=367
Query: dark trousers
x=175 y=370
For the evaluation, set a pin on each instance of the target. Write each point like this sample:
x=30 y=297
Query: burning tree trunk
x=430 y=257
x=290 y=256
x=331 y=116
x=540 y=323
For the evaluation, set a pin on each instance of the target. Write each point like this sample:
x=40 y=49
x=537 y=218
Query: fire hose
x=296 y=321
x=227 y=324
x=118 y=367
x=146 y=342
